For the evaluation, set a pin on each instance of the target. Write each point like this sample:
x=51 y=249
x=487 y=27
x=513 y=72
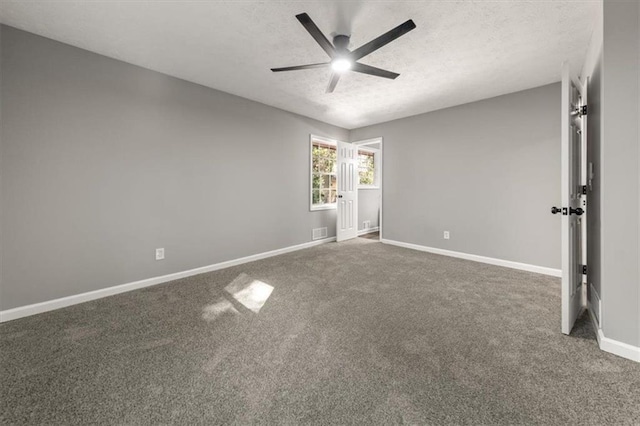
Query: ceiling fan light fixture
x=341 y=65
x=343 y=59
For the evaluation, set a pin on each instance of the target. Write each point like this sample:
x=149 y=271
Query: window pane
x=325 y=196
x=332 y=196
x=323 y=169
x=324 y=158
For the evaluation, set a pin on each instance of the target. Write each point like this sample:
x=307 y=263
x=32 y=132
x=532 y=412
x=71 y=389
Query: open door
x=347 y=209
x=573 y=167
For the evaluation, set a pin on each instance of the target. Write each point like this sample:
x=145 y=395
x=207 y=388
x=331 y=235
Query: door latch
x=567 y=211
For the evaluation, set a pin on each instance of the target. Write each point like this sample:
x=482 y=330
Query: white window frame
x=326 y=141
x=376 y=167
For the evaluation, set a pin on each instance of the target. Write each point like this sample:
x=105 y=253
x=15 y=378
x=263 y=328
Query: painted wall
x=620 y=157
x=368 y=207
x=613 y=69
x=487 y=171
x=102 y=162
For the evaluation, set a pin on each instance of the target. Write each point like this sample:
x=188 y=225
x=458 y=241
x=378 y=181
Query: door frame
x=380 y=166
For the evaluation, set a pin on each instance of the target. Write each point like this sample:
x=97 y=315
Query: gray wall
x=1 y=172
x=368 y=207
x=620 y=191
x=613 y=219
x=102 y=162
x=488 y=172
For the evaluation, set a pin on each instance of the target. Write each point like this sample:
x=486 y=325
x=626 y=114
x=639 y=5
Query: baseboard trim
x=482 y=259
x=63 y=302
x=368 y=230
x=615 y=347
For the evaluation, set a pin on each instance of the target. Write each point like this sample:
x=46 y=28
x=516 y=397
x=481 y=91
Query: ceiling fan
x=342 y=59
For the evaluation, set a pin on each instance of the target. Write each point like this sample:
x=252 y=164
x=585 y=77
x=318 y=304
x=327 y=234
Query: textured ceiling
x=461 y=51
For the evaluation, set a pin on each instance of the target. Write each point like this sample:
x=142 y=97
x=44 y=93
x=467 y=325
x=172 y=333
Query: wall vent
x=319 y=233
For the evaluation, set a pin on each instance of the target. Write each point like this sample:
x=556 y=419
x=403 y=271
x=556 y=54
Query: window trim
x=376 y=167
x=327 y=141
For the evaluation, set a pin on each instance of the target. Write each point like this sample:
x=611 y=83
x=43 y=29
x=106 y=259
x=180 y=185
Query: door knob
x=339 y=196
x=577 y=211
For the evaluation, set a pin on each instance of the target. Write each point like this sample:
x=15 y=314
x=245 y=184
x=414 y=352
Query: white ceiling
x=461 y=51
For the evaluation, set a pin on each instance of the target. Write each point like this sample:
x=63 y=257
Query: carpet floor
x=351 y=333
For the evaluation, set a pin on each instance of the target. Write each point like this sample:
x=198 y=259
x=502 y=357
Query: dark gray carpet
x=357 y=332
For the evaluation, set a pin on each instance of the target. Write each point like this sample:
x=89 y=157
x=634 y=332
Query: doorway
x=370 y=154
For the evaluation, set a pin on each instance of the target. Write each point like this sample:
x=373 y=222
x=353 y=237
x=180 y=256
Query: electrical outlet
x=366 y=224
x=446 y=235
x=159 y=253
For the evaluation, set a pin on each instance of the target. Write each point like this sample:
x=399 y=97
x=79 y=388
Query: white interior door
x=347 y=161
x=573 y=146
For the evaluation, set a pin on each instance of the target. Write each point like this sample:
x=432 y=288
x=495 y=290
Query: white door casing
x=347 y=208
x=573 y=167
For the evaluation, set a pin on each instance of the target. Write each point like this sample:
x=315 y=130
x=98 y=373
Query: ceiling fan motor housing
x=341 y=43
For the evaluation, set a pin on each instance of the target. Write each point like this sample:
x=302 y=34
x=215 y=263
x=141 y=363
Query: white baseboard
x=615 y=347
x=368 y=230
x=37 y=308
x=482 y=259
x=606 y=344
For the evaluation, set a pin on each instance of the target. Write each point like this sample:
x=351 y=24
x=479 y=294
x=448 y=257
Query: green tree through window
x=323 y=174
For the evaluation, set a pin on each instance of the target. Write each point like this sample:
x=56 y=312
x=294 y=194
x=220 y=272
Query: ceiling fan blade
x=332 y=83
x=302 y=67
x=384 y=39
x=315 y=32
x=368 y=69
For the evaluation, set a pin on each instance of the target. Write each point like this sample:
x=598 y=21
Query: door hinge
x=584 y=269
x=579 y=111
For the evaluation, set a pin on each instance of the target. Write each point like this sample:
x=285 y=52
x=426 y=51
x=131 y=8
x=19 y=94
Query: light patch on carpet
x=213 y=311
x=252 y=294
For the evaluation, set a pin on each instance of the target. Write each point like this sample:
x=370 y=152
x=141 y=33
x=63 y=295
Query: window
x=323 y=174
x=368 y=168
